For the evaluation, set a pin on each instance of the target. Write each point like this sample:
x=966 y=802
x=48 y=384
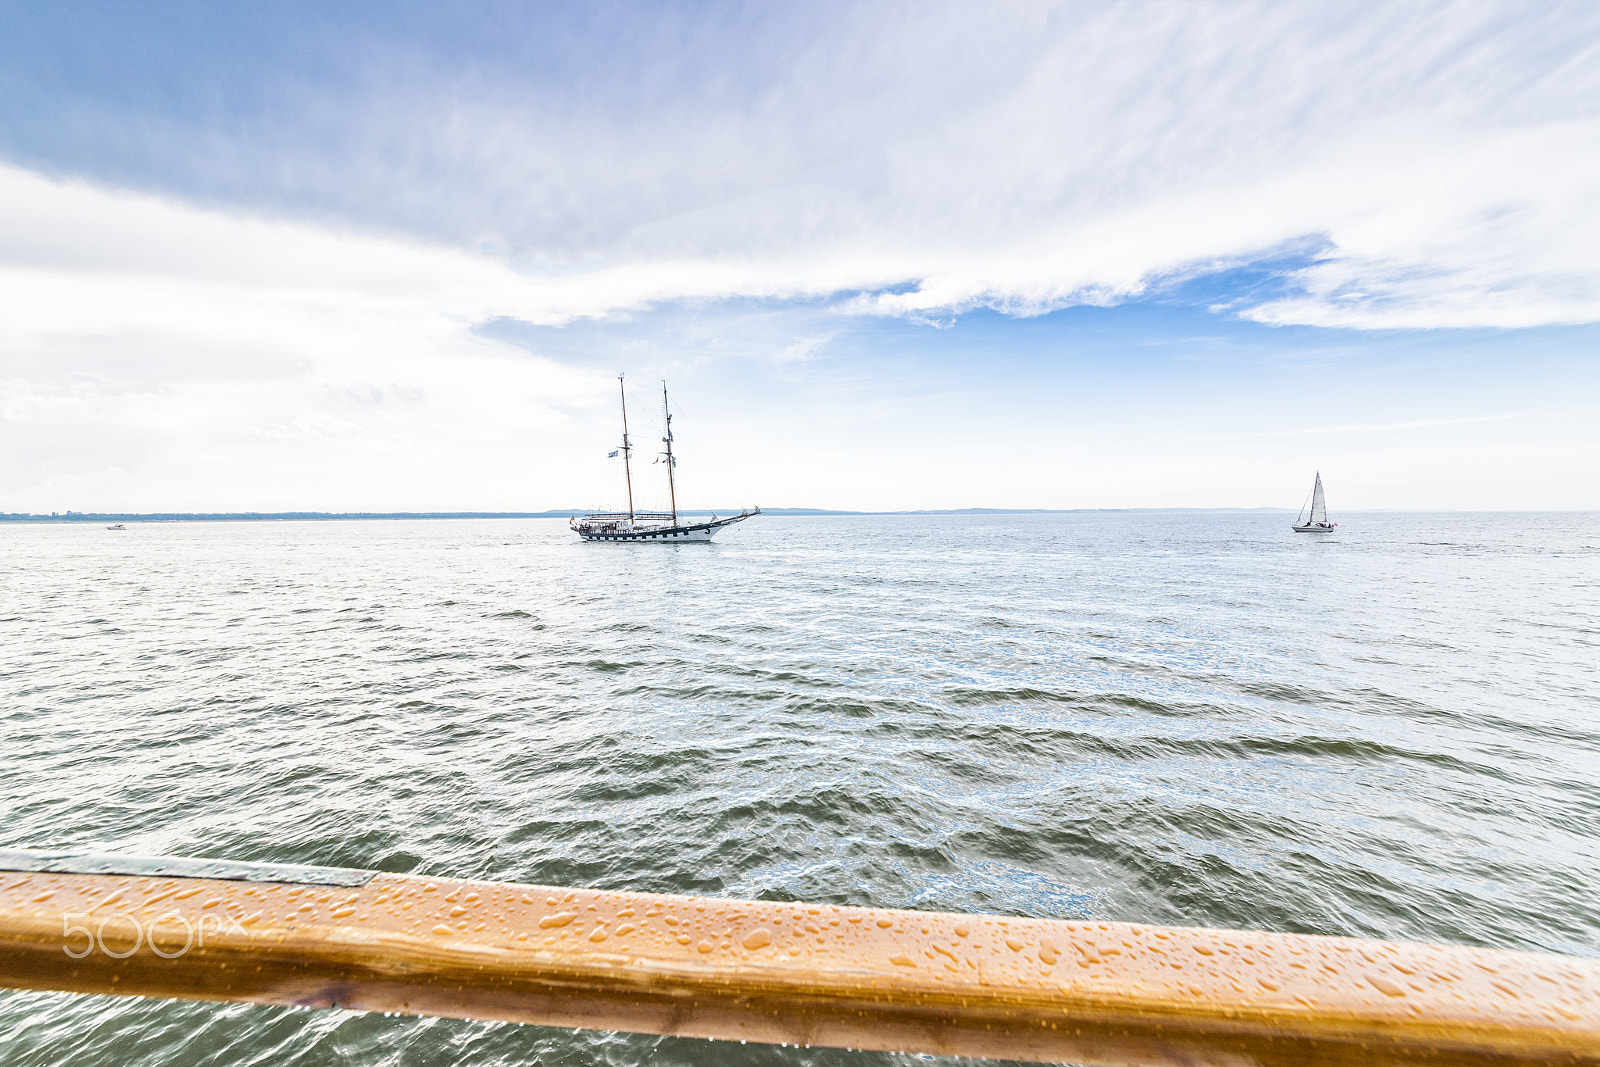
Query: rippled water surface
x=1179 y=718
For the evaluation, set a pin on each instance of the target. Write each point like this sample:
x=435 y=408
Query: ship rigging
x=634 y=525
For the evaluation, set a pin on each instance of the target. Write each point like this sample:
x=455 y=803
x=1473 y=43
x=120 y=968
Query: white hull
x=1316 y=527
x=625 y=532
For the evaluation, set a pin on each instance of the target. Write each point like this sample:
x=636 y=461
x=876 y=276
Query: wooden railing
x=803 y=974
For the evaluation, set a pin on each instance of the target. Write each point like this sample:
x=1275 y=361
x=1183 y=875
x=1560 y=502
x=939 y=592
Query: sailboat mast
x=627 y=470
x=672 y=487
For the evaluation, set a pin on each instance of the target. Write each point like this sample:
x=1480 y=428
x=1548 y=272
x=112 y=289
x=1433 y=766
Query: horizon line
x=19 y=518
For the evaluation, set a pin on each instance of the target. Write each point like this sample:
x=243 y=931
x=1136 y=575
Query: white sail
x=1319 y=507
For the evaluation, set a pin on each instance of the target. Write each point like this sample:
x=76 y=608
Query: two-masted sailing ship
x=1317 y=522
x=661 y=527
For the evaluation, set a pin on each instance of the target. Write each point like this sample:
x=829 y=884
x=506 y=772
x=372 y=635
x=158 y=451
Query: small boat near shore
x=116 y=526
x=659 y=527
x=1317 y=521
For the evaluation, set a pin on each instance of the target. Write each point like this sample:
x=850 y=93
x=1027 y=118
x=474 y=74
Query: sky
x=393 y=257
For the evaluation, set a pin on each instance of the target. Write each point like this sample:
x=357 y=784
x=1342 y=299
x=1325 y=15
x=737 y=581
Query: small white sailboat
x=1317 y=521
x=662 y=527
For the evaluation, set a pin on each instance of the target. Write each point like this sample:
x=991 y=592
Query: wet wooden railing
x=802 y=974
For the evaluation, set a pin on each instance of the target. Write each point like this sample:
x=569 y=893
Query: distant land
x=356 y=516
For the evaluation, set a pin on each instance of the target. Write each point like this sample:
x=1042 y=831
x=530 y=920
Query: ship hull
x=674 y=535
x=688 y=533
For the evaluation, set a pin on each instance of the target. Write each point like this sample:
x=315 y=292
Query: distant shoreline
x=368 y=516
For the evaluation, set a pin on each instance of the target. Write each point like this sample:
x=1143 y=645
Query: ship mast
x=671 y=486
x=626 y=469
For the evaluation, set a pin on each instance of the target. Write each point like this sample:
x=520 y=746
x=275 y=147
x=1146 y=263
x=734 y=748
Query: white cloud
x=801 y=351
x=948 y=157
x=1438 y=230
x=916 y=161
x=942 y=157
x=1378 y=427
x=136 y=328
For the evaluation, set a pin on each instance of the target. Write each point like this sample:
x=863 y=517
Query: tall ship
x=1317 y=521
x=655 y=526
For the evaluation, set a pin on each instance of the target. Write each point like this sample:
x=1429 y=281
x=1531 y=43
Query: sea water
x=1187 y=718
